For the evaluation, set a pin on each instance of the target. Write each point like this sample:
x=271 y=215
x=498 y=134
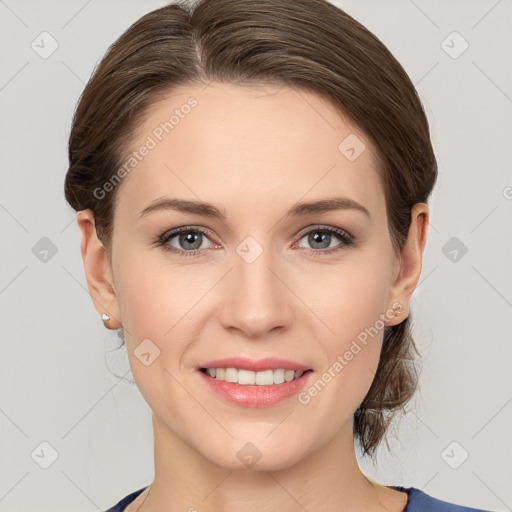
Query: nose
x=256 y=301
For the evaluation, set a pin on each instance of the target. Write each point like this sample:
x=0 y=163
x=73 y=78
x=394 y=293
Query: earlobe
x=98 y=270
x=411 y=259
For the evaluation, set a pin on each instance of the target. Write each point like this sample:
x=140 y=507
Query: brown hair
x=308 y=44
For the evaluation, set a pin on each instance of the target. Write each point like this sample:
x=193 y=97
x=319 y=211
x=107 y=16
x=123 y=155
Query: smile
x=251 y=378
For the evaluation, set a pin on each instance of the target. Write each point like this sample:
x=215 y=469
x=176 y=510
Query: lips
x=256 y=396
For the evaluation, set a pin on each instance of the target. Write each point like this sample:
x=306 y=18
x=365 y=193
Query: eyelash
x=346 y=241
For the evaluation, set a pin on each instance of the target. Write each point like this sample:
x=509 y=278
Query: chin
x=255 y=456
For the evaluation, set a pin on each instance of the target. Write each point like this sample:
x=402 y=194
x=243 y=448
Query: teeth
x=247 y=377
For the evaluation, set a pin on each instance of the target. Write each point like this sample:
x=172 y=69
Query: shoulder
x=122 y=504
x=419 y=501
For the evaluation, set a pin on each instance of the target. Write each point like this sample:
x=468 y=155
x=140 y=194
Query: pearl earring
x=106 y=319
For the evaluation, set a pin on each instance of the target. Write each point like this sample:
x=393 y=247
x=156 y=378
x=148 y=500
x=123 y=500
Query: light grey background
x=56 y=387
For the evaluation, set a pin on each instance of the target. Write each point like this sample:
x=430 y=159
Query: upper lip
x=243 y=363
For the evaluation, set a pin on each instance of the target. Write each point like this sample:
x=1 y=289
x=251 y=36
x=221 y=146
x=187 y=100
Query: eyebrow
x=209 y=210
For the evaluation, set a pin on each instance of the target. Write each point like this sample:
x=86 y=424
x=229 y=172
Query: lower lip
x=255 y=396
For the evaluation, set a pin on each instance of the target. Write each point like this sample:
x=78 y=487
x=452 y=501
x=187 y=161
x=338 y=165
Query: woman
x=252 y=181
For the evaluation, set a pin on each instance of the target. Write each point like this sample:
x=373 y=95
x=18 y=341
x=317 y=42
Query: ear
x=98 y=271
x=411 y=258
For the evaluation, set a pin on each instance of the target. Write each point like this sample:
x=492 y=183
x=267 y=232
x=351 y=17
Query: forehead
x=248 y=148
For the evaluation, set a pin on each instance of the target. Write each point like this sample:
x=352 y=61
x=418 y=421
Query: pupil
x=319 y=237
x=190 y=238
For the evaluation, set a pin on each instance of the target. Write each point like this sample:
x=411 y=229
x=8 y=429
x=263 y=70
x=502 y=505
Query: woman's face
x=254 y=280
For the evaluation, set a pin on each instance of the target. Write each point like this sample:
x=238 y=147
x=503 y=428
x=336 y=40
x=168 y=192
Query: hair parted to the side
x=306 y=44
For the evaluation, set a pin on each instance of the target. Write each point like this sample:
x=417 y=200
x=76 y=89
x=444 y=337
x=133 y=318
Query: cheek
x=154 y=298
x=348 y=299
x=165 y=306
x=351 y=309
x=151 y=304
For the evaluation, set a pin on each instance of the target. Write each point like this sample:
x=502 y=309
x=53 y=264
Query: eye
x=184 y=241
x=322 y=237
x=188 y=241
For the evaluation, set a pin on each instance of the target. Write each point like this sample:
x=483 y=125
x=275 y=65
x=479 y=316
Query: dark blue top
x=418 y=501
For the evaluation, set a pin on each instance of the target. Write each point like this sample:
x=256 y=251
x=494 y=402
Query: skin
x=254 y=152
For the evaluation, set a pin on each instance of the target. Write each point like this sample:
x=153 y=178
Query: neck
x=327 y=480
